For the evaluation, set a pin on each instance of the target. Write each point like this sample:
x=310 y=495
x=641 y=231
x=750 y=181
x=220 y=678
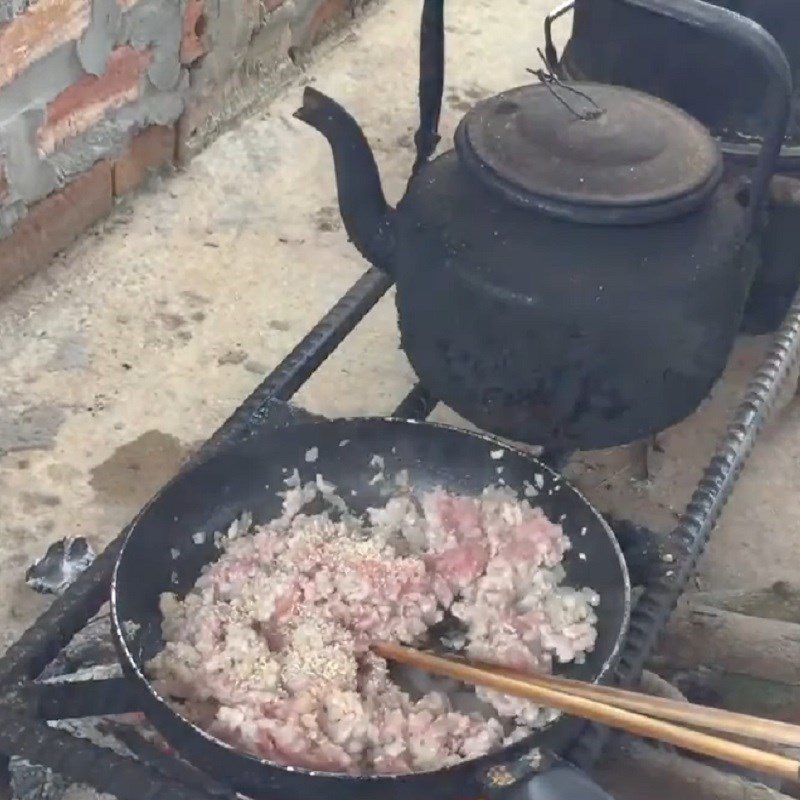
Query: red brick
x=325 y=14
x=37 y=32
x=54 y=223
x=84 y=103
x=151 y=149
x=194 y=40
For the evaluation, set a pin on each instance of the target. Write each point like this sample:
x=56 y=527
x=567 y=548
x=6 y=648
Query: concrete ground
x=137 y=343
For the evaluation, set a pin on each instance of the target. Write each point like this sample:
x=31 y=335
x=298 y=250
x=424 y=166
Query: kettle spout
x=366 y=214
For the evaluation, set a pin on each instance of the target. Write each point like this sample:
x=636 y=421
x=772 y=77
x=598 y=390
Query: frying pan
x=160 y=555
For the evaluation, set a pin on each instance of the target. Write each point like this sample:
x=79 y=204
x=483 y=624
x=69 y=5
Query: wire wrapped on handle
x=554 y=84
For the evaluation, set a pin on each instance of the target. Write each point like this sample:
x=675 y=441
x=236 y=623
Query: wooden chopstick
x=598 y=711
x=698 y=716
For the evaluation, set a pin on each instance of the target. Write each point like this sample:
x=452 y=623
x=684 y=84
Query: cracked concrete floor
x=137 y=343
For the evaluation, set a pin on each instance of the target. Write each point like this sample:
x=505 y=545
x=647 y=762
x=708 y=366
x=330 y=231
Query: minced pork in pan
x=270 y=651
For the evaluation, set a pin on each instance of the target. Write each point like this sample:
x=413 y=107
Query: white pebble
x=312 y=454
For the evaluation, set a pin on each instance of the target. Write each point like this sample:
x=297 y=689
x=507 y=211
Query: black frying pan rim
x=494 y=441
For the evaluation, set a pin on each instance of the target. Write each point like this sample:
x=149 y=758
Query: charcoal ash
x=90 y=655
x=90 y=647
x=60 y=566
x=33 y=782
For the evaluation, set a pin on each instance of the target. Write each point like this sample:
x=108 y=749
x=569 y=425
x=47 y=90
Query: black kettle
x=572 y=274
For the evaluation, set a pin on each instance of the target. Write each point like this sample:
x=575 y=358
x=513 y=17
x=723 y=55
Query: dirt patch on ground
x=138 y=469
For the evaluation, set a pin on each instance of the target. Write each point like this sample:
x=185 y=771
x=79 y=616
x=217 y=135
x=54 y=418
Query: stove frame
x=25 y=705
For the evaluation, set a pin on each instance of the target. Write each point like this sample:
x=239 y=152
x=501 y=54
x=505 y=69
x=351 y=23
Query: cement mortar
x=29 y=176
x=109 y=137
x=43 y=79
x=155 y=25
x=98 y=40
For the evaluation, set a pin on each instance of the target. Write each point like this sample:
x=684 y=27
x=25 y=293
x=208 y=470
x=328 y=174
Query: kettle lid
x=590 y=153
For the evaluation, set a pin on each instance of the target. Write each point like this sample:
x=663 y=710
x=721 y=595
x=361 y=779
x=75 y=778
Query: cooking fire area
x=401 y=255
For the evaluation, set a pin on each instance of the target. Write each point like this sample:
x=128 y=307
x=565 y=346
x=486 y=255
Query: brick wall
x=248 y=51
x=96 y=93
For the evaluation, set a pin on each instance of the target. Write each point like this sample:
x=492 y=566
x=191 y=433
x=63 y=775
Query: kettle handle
x=762 y=47
x=704 y=17
x=431 y=80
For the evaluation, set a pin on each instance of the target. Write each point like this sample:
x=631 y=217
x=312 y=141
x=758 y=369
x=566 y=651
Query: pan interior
x=173 y=539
